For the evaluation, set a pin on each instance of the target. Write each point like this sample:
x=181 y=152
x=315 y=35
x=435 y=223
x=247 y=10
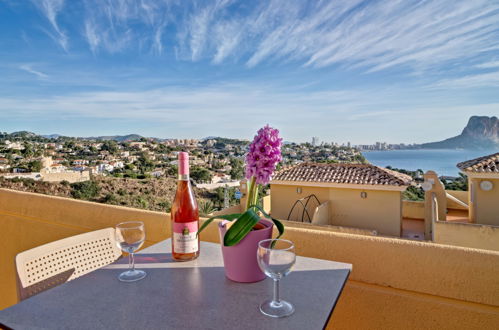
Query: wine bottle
x=185 y=215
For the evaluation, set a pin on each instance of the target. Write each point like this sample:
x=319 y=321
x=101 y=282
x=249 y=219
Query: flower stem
x=252 y=187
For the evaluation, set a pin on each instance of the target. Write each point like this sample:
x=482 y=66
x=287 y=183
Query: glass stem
x=276 y=299
x=131 y=262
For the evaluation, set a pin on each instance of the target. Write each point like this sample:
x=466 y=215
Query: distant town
x=213 y=160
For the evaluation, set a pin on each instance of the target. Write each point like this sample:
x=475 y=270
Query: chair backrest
x=321 y=214
x=54 y=263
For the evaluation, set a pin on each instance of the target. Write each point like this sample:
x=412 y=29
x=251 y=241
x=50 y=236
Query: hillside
x=150 y=194
x=118 y=138
x=481 y=132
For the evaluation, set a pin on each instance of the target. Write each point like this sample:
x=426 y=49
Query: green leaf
x=229 y=217
x=278 y=224
x=241 y=227
x=280 y=227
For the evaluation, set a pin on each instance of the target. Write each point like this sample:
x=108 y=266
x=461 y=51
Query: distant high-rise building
x=315 y=141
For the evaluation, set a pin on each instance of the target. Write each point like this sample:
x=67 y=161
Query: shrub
x=142 y=202
x=85 y=190
x=413 y=193
x=110 y=199
x=165 y=205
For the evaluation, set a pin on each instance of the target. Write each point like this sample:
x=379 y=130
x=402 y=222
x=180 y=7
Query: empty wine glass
x=130 y=236
x=276 y=257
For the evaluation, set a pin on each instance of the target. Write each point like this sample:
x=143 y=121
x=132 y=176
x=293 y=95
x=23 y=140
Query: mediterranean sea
x=441 y=161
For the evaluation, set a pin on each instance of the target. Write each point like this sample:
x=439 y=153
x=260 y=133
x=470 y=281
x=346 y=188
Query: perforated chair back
x=49 y=265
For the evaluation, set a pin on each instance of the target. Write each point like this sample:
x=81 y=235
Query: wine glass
x=130 y=236
x=276 y=257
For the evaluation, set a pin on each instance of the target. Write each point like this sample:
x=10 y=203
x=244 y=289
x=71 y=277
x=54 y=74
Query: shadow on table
x=147 y=259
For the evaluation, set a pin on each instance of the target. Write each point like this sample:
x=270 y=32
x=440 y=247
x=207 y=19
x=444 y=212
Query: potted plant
x=241 y=232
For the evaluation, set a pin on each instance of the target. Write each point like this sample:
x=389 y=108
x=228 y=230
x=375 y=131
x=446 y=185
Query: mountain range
x=481 y=132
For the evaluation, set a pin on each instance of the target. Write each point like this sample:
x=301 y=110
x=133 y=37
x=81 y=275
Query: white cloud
x=489 y=79
x=91 y=35
x=354 y=34
x=361 y=116
x=51 y=9
x=29 y=68
x=488 y=65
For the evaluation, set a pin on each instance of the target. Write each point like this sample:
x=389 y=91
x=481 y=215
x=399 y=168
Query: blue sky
x=359 y=71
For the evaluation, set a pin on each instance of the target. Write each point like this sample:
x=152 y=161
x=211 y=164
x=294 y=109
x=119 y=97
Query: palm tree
x=206 y=208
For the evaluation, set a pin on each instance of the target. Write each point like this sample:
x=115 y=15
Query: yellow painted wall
x=229 y=210
x=467 y=234
x=283 y=197
x=395 y=283
x=413 y=210
x=486 y=203
x=437 y=190
x=380 y=211
x=365 y=306
x=266 y=204
x=461 y=195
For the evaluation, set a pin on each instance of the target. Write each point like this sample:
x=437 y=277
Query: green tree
x=110 y=146
x=237 y=170
x=85 y=190
x=145 y=163
x=35 y=166
x=28 y=151
x=171 y=170
x=413 y=193
x=200 y=174
x=461 y=183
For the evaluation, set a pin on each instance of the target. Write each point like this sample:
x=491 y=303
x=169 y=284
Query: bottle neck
x=183 y=177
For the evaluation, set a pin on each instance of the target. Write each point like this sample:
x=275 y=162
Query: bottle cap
x=183 y=163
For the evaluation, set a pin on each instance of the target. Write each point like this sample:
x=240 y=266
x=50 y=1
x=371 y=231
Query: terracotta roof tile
x=343 y=173
x=485 y=164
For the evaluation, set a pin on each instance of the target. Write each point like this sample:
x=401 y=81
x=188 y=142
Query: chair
x=49 y=265
x=321 y=214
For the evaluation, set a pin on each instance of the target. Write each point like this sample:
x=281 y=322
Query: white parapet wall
x=70 y=176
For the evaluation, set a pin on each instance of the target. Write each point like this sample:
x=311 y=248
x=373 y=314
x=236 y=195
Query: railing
x=305 y=211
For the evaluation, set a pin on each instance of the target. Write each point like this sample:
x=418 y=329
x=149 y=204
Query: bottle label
x=184 y=237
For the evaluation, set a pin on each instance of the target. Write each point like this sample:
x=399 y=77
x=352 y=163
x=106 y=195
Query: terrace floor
x=458 y=216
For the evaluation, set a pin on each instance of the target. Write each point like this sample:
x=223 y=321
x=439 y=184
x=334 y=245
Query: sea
x=442 y=161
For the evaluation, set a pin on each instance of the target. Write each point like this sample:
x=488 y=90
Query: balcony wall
x=347 y=208
x=461 y=195
x=467 y=235
x=413 y=210
x=395 y=283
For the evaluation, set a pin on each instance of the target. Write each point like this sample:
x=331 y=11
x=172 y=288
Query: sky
x=358 y=71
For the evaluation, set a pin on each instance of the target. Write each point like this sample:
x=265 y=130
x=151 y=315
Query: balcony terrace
x=395 y=283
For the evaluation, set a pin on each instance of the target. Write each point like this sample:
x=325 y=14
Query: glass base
x=132 y=275
x=276 y=309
